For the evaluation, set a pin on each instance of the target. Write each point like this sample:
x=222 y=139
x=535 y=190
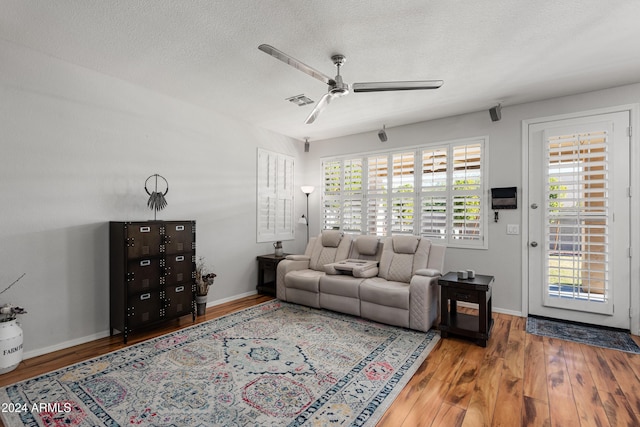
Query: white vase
x=10 y=345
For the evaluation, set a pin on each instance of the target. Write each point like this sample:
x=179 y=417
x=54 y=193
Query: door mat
x=584 y=334
x=269 y=365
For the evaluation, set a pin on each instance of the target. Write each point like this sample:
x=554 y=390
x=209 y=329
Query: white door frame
x=634 y=110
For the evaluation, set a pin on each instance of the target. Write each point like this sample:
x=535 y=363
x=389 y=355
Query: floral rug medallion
x=273 y=364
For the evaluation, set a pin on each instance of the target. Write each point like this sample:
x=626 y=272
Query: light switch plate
x=513 y=229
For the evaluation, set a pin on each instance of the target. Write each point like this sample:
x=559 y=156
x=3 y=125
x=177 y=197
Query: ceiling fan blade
x=295 y=63
x=324 y=101
x=389 y=86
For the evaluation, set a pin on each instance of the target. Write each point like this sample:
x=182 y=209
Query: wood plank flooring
x=517 y=380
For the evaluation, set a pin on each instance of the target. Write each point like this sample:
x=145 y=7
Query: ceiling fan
x=337 y=87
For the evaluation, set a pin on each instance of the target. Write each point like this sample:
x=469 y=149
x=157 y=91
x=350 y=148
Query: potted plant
x=204 y=279
x=10 y=334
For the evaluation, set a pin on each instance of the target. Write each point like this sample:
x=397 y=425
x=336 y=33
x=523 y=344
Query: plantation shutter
x=466 y=194
x=577 y=215
x=432 y=191
x=352 y=196
x=433 y=197
x=402 y=198
x=274 y=196
x=377 y=186
x=332 y=187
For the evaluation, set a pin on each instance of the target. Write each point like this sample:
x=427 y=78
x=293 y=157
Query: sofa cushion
x=401 y=266
x=384 y=292
x=367 y=245
x=322 y=255
x=405 y=244
x=306 y=280
x=331 y=238
x=342 y=285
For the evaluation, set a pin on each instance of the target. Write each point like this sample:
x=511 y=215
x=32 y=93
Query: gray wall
x=77 y=147
x=503 y=259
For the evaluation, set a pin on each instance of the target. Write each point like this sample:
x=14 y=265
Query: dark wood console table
x=476 y=290
x=268 y=263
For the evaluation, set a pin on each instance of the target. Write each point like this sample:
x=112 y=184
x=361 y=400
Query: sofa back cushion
x=366 y=247
x=402 y=256
x=330 y=246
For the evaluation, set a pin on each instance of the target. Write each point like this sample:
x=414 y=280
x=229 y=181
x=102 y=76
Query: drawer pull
x=180 y=258
x=179 y=289
x=145 y=296
x=145 y=263
x=145 y=229
x=179 y=227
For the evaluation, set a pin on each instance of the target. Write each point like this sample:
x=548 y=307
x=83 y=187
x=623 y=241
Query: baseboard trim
x=494 y=309
x=65 y=344
x=71 y=343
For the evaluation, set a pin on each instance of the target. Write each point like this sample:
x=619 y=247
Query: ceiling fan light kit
x=337 y=87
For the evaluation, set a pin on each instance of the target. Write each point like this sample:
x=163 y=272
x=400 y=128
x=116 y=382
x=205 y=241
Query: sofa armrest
x=365 y=271
x=284 y=267
x=429 y=272
x=298 y=257
x=423 y=301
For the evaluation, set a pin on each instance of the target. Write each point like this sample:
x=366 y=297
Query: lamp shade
x=307 y=189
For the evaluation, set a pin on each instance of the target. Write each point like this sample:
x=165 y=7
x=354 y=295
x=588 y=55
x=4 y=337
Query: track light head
x=306 y=145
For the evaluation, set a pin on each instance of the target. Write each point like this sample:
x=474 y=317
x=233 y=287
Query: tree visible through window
x=433 y=191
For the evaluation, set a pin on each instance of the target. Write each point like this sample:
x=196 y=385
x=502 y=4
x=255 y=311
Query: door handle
x=534 y=244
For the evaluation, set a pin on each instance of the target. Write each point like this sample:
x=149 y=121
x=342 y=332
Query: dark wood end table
x=476 y=290
x=268 y=263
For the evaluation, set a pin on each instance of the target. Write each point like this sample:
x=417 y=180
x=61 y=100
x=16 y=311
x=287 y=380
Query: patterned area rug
x=270 y=365
x=599 y=337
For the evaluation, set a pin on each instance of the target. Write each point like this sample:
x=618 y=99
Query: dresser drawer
x=143 y=240
x=178 y=300
x=179 y=268
x=143 y=275
x=144 y=308
x=178 y=237
x=463 y=295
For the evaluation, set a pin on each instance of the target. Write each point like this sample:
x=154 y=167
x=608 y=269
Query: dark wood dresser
x=151 y=273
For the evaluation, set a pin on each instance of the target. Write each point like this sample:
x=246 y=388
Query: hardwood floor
x=518 y=379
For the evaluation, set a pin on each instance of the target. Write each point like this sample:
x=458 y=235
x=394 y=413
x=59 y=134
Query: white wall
x=76 y=148
x=503 y=259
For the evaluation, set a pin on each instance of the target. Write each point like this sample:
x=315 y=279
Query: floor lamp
x=306 y=189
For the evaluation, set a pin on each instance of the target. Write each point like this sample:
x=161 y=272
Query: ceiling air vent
x=300 y=100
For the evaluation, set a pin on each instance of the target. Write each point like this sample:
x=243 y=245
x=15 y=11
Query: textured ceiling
x=205 y=52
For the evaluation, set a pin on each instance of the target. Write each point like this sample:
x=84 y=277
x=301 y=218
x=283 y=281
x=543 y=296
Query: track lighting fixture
x=306 y=145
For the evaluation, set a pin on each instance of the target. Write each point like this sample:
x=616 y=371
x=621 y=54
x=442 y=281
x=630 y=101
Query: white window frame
x=274 y=196
x=385 y=223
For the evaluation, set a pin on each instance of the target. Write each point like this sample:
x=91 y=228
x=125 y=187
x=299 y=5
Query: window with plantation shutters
x=433 y=191
x=274 y=196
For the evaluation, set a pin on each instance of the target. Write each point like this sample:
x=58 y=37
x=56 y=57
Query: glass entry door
x=579 y=219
